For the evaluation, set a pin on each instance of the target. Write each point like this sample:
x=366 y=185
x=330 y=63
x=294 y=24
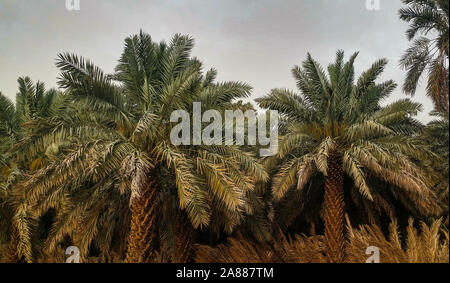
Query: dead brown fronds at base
x=302 y=249
x=427 y=244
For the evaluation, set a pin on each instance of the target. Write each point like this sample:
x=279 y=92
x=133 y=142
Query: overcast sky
x=255 y=41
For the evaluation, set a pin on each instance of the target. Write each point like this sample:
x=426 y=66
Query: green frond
x=289 y=104
x=414 y=61
x=176 y=58
x=216 y=95
x=368 y=129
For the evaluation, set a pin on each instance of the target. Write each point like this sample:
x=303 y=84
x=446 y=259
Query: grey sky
x=255 y=41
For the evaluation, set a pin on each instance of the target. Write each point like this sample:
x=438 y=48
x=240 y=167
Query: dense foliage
x=429 y=32
x=92 y=164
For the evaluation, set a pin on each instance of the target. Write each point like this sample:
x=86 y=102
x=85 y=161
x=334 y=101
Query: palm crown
x=120 y=138
x=337 y=127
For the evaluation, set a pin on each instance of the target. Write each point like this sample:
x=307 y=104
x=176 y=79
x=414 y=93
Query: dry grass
x=240 y=250
x=425 y=244
x=429 y=244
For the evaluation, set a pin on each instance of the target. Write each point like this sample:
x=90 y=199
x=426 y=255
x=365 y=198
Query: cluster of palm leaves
x=429 y=33
x=104 y=171
x=92 y=165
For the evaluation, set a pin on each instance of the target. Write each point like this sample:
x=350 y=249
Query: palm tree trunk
x=334 y=209
x=13 y=256
x=185 y=239
x=142 y=231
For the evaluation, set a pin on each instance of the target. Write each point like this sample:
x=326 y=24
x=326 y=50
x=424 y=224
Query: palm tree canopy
x=429 y=31
x=115 y=129
x=336 y=113
x=33 y=103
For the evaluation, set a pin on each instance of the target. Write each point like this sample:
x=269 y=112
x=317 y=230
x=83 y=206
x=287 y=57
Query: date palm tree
x=337 y=130
x=33 y=102
x=429 y=28
x=112 y=143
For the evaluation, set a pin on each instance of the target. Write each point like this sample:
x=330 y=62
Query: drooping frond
x=429 y=31
x=289 y=104
x=415 y=60
x=286 y=177
x=88 y=84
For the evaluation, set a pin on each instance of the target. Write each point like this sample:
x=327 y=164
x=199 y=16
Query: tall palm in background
x=111 y=147
x=337 y=129
x=429 y=28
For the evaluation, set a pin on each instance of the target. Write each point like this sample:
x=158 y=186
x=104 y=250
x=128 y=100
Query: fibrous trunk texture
x=185 y=241
x=142 y=231
x=334 y=209
x=13 y=256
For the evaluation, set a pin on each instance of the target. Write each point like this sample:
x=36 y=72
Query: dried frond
x=427 y=245
x=302 y=249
